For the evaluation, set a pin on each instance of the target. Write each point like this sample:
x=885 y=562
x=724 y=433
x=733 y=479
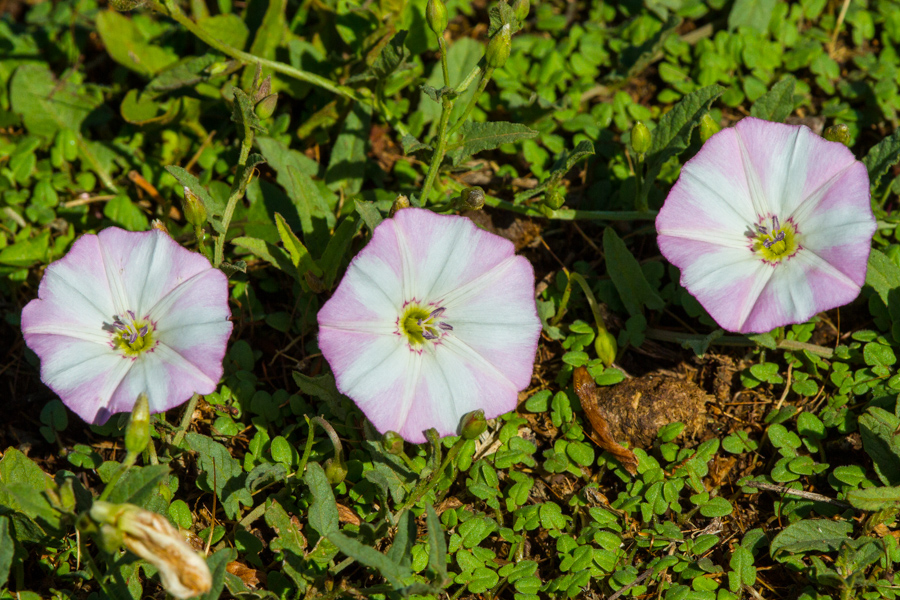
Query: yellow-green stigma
x=775 y=244
x=420 y=324
x=133 y=336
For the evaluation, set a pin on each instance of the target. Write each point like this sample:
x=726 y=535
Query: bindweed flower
x=183 y=573
x=769 y=224
x=434 y=318
x=125 y=313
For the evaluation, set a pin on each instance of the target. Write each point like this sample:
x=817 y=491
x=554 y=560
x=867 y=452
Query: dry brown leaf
x=346 y=515
x=249 y=576
x=586 y=388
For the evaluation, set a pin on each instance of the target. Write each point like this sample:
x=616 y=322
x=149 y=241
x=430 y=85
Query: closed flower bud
x=837 y=133
x=392 y=443
x=399 y=204
x=194 y=211
x=498 y=48
x=708 y=128
x=266 y=107
x=471 y=199
x=137 y=434
x=606 y=347
x=436 y=15
x=183 y=572
x=264 y=89
x=554 y=198
x=521 y=9
x=640 y=139
x=335 y=471
x=473 y=425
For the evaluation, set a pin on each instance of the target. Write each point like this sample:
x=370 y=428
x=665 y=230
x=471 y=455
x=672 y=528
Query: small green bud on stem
x=436 y=15
x=606 y=347
x=473 y=425
x=498 y=48
x=554 y=199
x=471 y=199
x=265 y=108
x=708 y=128
x=392 y=443
x=194 y=211
x=640 y=139
x=837 y=133
x=137 y=434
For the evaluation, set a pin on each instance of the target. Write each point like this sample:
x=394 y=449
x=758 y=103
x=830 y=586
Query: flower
x=769 y=224
x=183 y=573
x=434 y=318
x=124 y=313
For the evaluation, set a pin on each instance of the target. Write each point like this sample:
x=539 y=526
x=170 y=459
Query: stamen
x=774 y=223
x=778 y=238
x=762 y=229
x=445 y=326
x=437 y=312
x=428 y=335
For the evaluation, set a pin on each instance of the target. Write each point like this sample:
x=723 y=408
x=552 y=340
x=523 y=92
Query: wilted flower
x=182 y=571
x=434 y=318
x=124 y=313
x=769 y=224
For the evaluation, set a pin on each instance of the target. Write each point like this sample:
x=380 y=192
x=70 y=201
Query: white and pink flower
x=434 y=318
x=770 y=224
x=124 y=313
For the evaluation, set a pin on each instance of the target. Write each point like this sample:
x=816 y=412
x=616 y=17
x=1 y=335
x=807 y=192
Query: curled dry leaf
x=346 y=515
x=248 y=575
x=586 y=388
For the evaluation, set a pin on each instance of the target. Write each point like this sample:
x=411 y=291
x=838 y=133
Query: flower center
x=131 y=335
x=421 y=324
x=776 y=243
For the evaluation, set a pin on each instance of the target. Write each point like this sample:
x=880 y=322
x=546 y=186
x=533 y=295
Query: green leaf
x=625 y=271
x=7 y=550
x=299 y=254
x=878 y=431
x=227 y=28
x=214 y=207
x=883 y=274
x=776 y=104
x=268 y=252
x=437 y=544
x=478 y=137
x=222 y=473
x=138 y=484
x=875 y=499
x=754 y=14
x=27 y=252
x=16 y=468
x=323 y=388
x=243 y=114
x=218 y=564
x=323 y=514
x=268 y=37
x=336 y=249
x=290 y=541
x=673 y=133
x=883 y=155
x=126 y=213
x=347 y=165
x=819 y=535
x=44 y=113
x=188 y=71
x=369 y=214
x=404 y=540
x=742 y=564
x=128 y=46
x=393 y=572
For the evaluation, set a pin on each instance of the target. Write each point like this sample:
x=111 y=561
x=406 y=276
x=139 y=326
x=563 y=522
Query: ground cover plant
x=464 y=300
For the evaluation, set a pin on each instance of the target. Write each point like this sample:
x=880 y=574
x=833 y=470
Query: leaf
x=874 y=499
x=44 y=113
x=336 y=249
x=7 y=550
x=369 y=214
x=634 y=59
x=186 y=72
x=437 y=545
x=754 y=14
x=323 y=514
x=214 y=208
x=586 y=390
x=878 y=428
x=393 y=57
x=818 y=535
x=128 y=46
x=883 y=155
x=883 y=275
x=305 y=196
x=393 y=572
x=742 y=564
x=627 y=275
x=478 y=137
x=347 y=165
x=221 y=472
x=290 y=541
x=300 y=256
x=463 y=56
x=411 y=144
x=270 y=253
x=563 y=165
x=323 y=388
x=138 y=484
x=268 y=37
x=217 y=564
x=778 y=103
x=404 y=540
x=227 y=28
x=242 y=113
x=673 y=133
x=18 y=469
x=27 y=252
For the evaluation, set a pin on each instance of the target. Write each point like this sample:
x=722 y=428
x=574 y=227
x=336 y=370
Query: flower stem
x=736 y=340
x=474 y=101
x=307 y=449
x=185 y=420
x=438 y=156
x=237 y=192
x=640 y=200
x=443 y=46
x=429 y=484
x=127 y=463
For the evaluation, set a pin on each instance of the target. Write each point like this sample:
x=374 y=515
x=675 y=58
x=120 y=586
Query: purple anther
x=119 y=325
x=131 y=314
x=778 y=238
x=437 y=312
x=762 y=229
x=143 y=331
x=774 y=223
x=428 y=335
x=445 y=326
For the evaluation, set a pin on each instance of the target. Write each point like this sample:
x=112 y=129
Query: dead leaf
x=249 y=576
x=586 y=388
x=346 y=515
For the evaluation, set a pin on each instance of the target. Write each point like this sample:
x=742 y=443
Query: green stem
x=640 y=201
x=736 y=340
x=443 y=46
x=461 y=89
x=473 y=102
x=170 y=10
x=564 y=303
x=438 y=156
x=130 y=459
x=595 y=308
x=237 y=192
x=185 y=420
x=307 y=450
x=433 y=479
x=94 y=569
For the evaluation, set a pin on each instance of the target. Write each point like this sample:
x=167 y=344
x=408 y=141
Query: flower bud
x=837 y=133
x=137 y=434
x=183 y=572
x=640 y=139
x=521 y=9
x=606 y=347
x=498 y=48
x=265 y=108
x=335 y=471
x=264 y=89
x=157 y=224
x=473 y=424
x=392 y=443
x=436 y=15
x=399 y=204
x=471 y=199
x=194 y=211
x=554 y=198
x=708 y=128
